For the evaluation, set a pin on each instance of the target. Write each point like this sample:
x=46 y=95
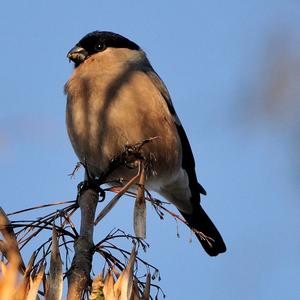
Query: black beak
x=77 y=55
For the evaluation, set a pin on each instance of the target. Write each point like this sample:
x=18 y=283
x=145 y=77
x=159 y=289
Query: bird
x=115 y=98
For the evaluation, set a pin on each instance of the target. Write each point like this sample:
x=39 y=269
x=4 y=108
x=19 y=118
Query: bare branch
x=79 y=274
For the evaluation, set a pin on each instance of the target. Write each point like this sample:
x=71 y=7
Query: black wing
x=188 y=162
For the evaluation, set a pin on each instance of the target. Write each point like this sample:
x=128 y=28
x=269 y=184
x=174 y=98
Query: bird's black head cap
x=99 y=40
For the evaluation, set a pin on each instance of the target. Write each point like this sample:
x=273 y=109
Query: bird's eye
x=100 y=47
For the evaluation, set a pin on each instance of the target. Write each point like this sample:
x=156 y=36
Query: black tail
x=200 y=221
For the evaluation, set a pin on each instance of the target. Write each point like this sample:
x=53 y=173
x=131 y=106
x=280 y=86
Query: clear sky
x=218 y=60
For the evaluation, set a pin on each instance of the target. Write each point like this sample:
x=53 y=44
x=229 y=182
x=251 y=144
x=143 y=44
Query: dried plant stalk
x=139 y=214
x=117 y=197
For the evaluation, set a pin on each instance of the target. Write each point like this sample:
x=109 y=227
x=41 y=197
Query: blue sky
x=214 y=58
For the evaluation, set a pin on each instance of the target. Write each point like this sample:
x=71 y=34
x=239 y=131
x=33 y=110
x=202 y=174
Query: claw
x=90 y=184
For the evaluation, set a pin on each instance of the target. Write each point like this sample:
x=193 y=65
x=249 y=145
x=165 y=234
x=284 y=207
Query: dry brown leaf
x=3 y=248
x=123 y=286
x=55 y=279
x=146 y=294
x=135 y=295
x=9 y=277
x=35 y=283
x=3 y=268
x=108 y=289
x=24 y=286
x=10 y=238
x=28 y=268
x=97 y=287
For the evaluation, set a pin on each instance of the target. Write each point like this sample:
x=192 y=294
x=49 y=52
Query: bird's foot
x=90 y=184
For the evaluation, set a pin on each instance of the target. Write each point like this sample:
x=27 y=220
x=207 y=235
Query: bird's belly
x=160 y=154
x=101 y=130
